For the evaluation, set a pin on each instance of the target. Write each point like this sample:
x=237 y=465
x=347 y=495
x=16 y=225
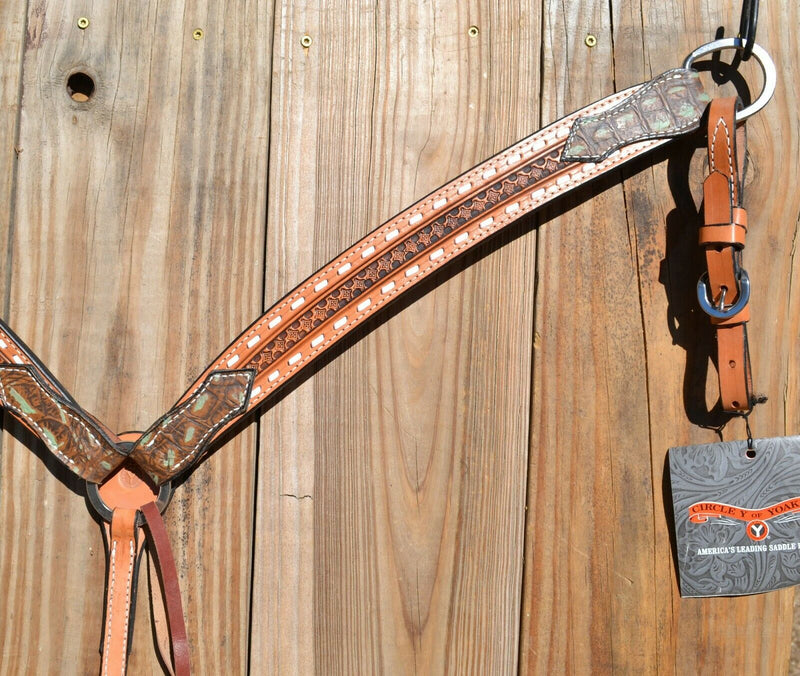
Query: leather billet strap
x=123 y=550
x=395 y=257
x=128 y=505
x=722 y=237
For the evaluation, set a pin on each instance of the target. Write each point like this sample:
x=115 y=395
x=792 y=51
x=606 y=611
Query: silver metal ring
x=105 y=513
x=722 y=312
x=764 y=60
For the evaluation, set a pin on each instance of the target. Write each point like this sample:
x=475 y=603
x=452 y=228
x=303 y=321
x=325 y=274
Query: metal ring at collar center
x=105 y=513
x=764 y=60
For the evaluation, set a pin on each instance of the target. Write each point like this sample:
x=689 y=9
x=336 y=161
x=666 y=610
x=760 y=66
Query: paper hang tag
x=737 y=518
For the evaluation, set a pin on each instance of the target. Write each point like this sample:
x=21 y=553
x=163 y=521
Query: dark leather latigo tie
x=128 y=475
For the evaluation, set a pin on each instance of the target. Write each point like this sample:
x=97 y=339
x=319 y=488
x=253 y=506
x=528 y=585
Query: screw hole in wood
x=80 y=87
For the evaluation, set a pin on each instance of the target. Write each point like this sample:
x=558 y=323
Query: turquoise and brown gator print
x=168 y=447
x=669 y=105
x=71 y=435
x=179 y=438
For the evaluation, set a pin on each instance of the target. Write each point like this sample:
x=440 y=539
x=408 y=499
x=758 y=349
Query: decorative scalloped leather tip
x=669 y=105
x=67 y=431
x=175 y=441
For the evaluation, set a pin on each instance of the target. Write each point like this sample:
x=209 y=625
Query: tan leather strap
x=378 y=269
x=123 y=548
x=124 y=493
x=723 y=238
x=409 y=247
x=161 y=553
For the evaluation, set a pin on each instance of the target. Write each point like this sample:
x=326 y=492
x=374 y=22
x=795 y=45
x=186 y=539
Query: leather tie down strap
x=725 y=287
x=319 y=312
x=164 y=565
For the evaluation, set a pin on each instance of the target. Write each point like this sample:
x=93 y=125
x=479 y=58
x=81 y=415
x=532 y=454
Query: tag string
x=749 y=432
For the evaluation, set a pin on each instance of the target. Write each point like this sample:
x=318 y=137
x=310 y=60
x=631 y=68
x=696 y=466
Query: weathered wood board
x=125 y=207
x=475 y=484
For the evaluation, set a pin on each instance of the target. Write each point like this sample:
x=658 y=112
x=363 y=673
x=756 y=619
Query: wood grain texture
x=410 y=465
x=640 y=383
x=475 y=485
x=12 y=41
x=126 y=206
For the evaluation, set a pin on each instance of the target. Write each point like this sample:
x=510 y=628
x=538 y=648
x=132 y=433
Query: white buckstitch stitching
x=499 y=222
x=521 y=147
x=13 y=345
x=128 y=586
x=112 y=579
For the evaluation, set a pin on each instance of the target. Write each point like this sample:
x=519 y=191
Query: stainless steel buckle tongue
x=721 y=310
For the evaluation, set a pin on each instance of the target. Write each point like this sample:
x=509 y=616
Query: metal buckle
x=764 y=60
x=720 y=311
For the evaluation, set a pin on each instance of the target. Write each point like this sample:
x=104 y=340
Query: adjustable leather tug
x=724 y=291
x=129 y=501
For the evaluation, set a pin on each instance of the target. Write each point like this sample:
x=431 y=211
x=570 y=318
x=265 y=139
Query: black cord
x=747 y=27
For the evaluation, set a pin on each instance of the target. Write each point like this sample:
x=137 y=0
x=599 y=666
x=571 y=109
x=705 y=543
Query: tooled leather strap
x=723 y=237
x=403 y=251
x=398 y=255
x=327 y=306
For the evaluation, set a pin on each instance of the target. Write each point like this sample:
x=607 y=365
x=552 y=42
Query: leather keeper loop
x=725 y=234
x=730 y=234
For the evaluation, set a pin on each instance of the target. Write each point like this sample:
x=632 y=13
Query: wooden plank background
x=474 y=486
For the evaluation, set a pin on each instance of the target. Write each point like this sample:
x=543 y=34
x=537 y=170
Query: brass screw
x=306 y=41
x=590 y=40
x=473 y=31
x=83 y=23
x=197 y=33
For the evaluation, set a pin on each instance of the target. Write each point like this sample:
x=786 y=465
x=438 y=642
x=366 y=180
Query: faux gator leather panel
x=668 y=105
x=66 y=431
x=178 y=438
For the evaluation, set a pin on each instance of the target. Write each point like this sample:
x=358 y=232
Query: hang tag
x=737 y=516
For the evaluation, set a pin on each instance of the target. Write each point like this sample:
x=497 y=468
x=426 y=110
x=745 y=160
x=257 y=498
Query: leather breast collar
x=311 y=319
